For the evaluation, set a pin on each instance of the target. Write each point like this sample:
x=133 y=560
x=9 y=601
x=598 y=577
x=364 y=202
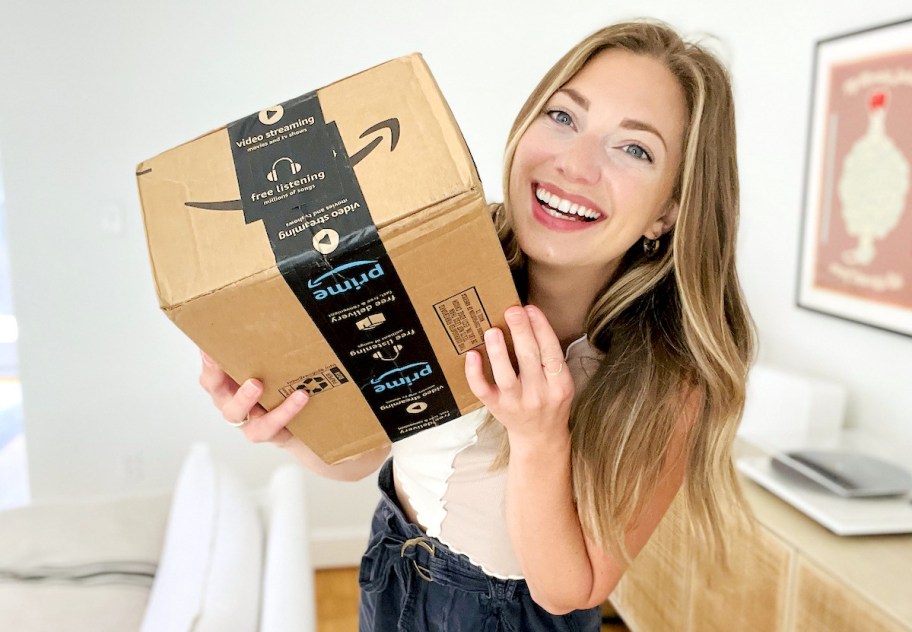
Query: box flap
x=195 y=251
x=408 y=155
x=430 y=163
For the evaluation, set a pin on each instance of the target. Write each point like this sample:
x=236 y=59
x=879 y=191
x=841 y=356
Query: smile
x=560 y=208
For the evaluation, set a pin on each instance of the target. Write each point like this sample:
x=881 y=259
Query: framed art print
x=856 y=245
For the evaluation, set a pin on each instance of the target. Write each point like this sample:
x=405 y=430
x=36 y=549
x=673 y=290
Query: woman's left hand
x=535 y=404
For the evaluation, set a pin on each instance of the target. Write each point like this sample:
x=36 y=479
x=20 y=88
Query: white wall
x=90 y=89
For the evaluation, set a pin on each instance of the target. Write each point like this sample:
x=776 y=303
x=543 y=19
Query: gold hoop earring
x=650 y=247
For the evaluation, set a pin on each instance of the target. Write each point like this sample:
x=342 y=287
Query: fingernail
x=206 y=358
x=250 y=387
x=530 y=311
x=514 y=314
x=299 y=396
x=491 y=336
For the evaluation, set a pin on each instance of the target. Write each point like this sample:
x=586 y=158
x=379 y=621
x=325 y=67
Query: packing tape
x=296 y=177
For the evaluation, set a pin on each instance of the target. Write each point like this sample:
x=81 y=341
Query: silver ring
x=559 y=369
x=239 y=424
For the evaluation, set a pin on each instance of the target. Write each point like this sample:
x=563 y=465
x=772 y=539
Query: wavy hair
x=671 y=324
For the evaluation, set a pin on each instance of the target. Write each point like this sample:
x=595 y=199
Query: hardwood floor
x=337 y=602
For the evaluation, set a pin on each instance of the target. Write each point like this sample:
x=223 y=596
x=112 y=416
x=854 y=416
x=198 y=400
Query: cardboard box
x=339 y=242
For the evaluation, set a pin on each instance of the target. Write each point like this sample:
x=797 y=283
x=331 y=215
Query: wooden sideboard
x=788 y=574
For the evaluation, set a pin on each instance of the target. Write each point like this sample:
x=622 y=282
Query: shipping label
x=464 y=318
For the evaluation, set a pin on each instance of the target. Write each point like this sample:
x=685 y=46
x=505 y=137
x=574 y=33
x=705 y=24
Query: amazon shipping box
x=340 y=243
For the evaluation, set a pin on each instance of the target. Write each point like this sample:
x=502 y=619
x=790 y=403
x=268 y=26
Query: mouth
x=565 y=209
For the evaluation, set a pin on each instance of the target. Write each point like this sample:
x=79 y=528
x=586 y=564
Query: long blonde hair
x=671 y=324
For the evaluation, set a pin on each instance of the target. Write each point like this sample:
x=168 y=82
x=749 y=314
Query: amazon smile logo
x=391 y=125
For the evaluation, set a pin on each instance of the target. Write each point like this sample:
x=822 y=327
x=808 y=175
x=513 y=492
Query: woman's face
x=595 y=170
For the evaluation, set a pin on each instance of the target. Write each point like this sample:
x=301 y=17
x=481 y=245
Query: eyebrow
x=627 y=123
x=580 y=100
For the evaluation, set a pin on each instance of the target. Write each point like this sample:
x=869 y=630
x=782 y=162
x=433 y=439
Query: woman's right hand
x=239 y=403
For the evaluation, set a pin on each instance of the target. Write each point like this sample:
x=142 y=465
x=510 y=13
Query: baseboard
x=339 y=547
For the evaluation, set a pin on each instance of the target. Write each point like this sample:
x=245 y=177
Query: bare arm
x=239 y=402
x=564 y=569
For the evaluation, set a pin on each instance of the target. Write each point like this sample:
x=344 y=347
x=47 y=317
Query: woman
x=619 y=221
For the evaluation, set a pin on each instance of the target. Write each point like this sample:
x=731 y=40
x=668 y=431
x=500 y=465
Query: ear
x=664 y=222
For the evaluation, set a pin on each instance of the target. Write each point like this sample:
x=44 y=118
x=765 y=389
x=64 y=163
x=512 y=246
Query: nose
x=580 y=160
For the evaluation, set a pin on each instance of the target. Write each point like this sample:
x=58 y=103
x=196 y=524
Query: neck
x=565 y=298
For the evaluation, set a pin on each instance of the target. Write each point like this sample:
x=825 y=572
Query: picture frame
x=855 y=257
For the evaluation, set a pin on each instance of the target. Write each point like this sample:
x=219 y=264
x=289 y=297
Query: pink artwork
x=857 y=248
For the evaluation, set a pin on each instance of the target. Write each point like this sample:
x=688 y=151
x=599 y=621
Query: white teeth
x=554 y=213
x=565 y=206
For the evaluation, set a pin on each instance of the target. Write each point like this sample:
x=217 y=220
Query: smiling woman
x=637 y=126
x=619 y=222
x=598 y=151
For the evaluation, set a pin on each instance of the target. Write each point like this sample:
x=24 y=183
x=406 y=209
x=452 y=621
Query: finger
x=478 y=383
x=552 y=357
x=525 y=346
x=238 y=407
x=216 y=382
x=271 y=426
x=501 y=367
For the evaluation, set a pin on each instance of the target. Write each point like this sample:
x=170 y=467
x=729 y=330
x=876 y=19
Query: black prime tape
x=295 y=175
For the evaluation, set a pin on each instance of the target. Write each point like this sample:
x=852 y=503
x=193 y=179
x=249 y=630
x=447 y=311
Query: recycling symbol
x=313 y=385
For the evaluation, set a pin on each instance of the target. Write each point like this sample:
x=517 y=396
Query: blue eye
x=637 y=152
x=560 y=116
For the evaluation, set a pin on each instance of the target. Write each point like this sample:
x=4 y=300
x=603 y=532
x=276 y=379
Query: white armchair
x=212 y=556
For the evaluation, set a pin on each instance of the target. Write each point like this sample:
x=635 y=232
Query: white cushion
x=288 y=574
x=64 y=541
x=232 y=599
x=177 y=593
x=210 y=569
